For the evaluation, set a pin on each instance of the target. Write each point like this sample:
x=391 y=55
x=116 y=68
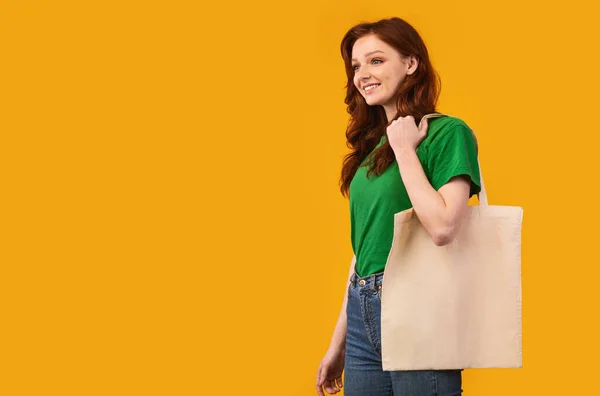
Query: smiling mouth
x=370 y=88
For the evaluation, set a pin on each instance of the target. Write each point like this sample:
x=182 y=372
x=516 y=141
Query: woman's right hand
x=329 y=374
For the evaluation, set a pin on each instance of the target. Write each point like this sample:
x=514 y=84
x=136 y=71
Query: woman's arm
x=441 y=212
x=338 y=340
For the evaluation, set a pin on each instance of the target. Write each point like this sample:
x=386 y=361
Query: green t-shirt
x=447 y=151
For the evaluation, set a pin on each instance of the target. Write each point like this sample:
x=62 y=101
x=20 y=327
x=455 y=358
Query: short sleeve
x=453 y=153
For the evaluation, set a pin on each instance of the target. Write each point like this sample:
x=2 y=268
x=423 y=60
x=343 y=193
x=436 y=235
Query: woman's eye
x=374 y=61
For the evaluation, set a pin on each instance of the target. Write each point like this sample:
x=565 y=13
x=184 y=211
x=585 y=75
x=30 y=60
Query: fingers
x=409 y=119
x=320 y=391
x=320 y=378
x=320 y=375
x=331 y=387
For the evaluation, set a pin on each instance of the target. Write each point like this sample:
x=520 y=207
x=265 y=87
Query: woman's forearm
x=338 y=340
x=427 y=203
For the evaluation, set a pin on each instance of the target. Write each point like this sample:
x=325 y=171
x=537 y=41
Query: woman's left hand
x=403 y=134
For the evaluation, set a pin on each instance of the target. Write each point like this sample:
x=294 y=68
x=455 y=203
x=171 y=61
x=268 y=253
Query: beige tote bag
x=455 y=306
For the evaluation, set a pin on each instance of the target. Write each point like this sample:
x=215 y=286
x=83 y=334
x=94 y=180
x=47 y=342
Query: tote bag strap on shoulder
x=482 y=196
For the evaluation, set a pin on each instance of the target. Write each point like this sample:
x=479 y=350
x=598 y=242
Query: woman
x=399 y=160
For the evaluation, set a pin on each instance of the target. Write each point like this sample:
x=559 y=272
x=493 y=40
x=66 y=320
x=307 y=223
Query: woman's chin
x=372 y=102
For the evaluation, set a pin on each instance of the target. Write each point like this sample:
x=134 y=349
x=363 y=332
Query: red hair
x=417 y=95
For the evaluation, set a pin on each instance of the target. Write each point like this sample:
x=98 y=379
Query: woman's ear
x=413 y=64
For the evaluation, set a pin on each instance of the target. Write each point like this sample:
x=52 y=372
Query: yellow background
x=171 y=221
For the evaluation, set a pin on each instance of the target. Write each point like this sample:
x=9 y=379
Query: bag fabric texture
x=455 y=306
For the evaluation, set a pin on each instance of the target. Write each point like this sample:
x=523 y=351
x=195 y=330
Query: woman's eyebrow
x=370 y=53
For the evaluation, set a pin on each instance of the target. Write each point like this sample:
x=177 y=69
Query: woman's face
x=378 y=71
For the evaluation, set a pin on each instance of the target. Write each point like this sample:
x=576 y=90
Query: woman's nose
x=363 y=74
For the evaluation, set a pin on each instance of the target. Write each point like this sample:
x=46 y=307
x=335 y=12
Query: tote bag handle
x=482 y=196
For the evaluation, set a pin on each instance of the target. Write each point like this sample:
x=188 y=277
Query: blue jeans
x=363 y=374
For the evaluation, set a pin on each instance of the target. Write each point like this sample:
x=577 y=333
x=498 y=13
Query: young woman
x=398 y=160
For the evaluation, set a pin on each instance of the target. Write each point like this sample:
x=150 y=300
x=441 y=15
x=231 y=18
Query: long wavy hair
x=417 y=95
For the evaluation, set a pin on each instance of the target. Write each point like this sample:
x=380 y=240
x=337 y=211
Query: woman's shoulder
x=443 y=130
x=446 y=123
x=444 y=127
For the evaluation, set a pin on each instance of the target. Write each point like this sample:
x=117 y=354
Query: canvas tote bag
x=455 y=306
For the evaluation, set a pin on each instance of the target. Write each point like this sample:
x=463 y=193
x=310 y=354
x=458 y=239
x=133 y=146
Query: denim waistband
x=372 y=281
